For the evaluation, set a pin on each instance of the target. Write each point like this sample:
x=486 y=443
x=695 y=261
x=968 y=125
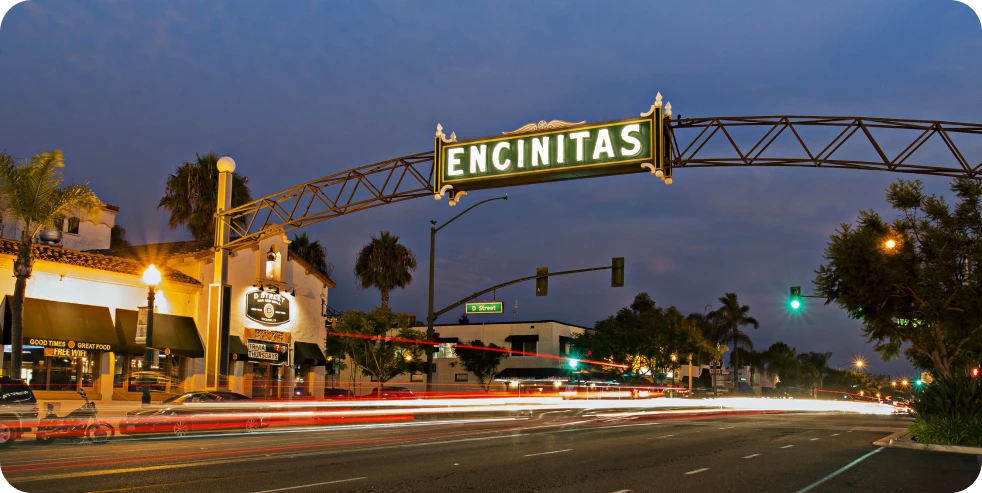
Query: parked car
x=185 y=413
x=390 y=393
x=18 y=410
x=338 y=394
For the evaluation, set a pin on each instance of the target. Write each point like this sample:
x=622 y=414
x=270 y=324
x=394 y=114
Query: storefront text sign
x=67 y=346
x=268 y=352
x=268 y=308
x=268 y=335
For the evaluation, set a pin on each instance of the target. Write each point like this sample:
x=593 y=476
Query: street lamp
x=890 y=244
x=151 y=277
x=430 y=318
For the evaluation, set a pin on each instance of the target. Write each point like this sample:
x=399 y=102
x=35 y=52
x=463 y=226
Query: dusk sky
x=294 y=91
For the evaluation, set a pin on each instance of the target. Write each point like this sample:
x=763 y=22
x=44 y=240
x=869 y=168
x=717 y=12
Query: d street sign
x=552 y=151
x=487 y=307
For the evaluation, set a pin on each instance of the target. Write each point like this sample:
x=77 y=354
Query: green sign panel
x=487 y=307
x=552 y=151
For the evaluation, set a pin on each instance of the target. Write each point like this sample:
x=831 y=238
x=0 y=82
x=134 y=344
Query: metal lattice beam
x=695 y=142
x=700 y=142
x=361 y=188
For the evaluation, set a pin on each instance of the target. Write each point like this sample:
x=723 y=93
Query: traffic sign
x=484 y=307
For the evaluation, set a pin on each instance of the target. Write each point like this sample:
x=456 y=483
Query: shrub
x=948 y=431
x=949 y=412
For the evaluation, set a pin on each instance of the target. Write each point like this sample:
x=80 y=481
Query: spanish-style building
x=81 y=313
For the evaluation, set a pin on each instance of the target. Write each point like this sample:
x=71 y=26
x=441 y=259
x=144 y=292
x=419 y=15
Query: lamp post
x=429 y=313
x=151 y=277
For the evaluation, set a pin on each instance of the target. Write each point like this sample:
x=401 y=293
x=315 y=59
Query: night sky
x=298 y=90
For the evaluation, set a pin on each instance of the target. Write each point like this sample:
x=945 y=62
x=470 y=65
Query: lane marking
x=751 y=456
x=311 y=485
x=663 y=436
x=787 y=446
x=727 y=428
x=697 y=471
x=835 y=434
x=813 y=439
x=840 y=471
x=547 y=453
x=622 y=491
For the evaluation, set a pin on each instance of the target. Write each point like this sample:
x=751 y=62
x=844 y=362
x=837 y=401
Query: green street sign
x=486 y=307
x=552 y=151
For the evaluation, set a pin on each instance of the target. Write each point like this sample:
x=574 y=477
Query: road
x=554 y=453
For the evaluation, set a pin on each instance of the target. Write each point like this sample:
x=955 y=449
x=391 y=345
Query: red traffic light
x=975 y=372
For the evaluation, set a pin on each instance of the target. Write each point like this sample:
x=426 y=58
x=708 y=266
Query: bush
x=949 y=412
x=948 y=431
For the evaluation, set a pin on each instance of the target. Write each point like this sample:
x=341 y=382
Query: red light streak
x=501 y=350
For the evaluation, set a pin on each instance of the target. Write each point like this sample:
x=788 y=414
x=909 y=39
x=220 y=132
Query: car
x=185 y=413
x=338 y=394
x=18 y=410
x=390 y=393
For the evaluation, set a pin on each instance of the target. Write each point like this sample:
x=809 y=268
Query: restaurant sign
x=67 y=349
x=267 y=352
x=268 y=308
x=552 y=151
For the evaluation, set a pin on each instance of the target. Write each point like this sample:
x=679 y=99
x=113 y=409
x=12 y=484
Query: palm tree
x=781 y=361
x=312 y=251
x=34 y=197
x=191 y=196
x=732 y=316
x=385 y=264
x=818 y=364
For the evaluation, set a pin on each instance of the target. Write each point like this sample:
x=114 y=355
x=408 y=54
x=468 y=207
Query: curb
x=891 y=441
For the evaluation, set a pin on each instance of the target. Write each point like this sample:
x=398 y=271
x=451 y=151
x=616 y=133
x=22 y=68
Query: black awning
x=453 y=340
x=522 y=338
x=308 y=353
x=237 y=347
x=179 y=334
x=51 y=323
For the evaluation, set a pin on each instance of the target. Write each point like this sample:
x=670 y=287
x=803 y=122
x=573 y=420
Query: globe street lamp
x=151 y=277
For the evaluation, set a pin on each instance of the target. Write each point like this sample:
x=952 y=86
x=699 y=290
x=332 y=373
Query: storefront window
x=61 y=373
x=132 y=375
x=300 y=385
x=446 y=350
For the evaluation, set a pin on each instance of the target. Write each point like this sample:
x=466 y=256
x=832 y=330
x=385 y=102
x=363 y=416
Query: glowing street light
x=151 y=277
x=890 y=244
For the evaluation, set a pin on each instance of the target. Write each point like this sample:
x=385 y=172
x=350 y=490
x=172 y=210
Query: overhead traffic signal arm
x=542 y=273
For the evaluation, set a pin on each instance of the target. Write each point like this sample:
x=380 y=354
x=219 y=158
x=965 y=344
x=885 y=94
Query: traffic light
x=573 y=363
x=617 y=273
x=975 y=372
x=542 y=281
x=795 y=301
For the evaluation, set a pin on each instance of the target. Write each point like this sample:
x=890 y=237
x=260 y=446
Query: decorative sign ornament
x=552 y=151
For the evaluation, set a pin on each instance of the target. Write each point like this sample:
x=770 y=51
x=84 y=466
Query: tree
x=376 y=343
x=914 y=282
x=191 y=196
x=311 y=251
x=781 y=363
x=732 y=316
x=463 y=320
x=483 y=363
x=385 y=264
x=817 y=365
x=117 y=237
x=35 y=197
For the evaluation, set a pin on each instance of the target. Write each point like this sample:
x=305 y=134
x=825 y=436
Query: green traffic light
x=795 y=304
x=573 y=363
x=919 y=382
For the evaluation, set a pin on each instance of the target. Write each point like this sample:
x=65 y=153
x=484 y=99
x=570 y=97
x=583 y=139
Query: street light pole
x=151 y=277
x=430 y=318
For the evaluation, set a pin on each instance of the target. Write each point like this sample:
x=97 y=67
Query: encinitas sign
x=552 y=151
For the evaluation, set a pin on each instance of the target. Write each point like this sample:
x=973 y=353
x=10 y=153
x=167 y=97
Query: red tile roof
x=93 y=261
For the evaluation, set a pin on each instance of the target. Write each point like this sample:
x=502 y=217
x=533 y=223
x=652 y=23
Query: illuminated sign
x=485 y=307
x=67 y=347
x=267 y=352
x=552 y=151
x=268 y=308
x=268 y=335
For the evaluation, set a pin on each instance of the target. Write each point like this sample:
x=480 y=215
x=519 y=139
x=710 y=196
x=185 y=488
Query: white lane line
x=835 y=434
x=840 y=471
x=622 y=491
x=727 y=428
x=787 y=446
x=813 y=439
x=310 y=485
x=697 y=471
x=546 y=453
x=663 y=436
x=751 y=456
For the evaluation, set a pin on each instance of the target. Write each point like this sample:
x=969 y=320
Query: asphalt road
x=554 y=453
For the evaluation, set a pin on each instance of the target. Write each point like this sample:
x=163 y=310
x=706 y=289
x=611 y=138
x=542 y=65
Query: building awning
x=179 y=334
x=56 y=324
x=522 y=338
x=237 y=347
x=308 y=353
x=448 y=340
